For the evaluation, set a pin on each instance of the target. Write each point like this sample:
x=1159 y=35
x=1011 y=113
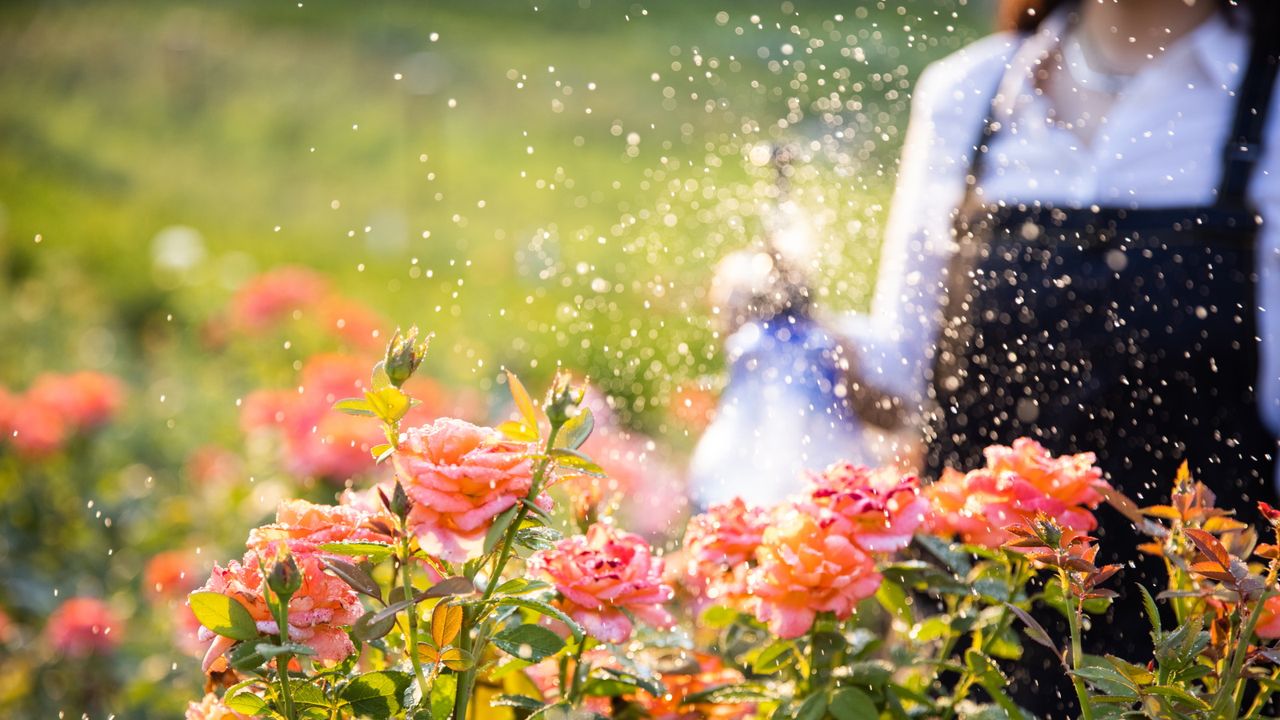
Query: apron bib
x=1127 y=333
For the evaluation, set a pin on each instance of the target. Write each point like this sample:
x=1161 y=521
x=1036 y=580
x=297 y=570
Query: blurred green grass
x=279 y=132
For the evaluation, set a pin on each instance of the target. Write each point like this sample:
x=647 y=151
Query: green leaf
x=576 y=430
x=951 y=554
x=538 y=538
x=390 y=403
x=376 y=694
x=272 y=650
x=365 y=627
x=355 y=406
x=1153 y=613
x=1035 y=630
x=376 y=552
x=543 y=608
x=528 y=642
x=732 y=694
x=443 y=690
x=852 y=704
x=718 y=616
x=523 y=702
x=813 y=708
x=381 y=452
x=499 y=528
x=246 y=703
x=774 y=657
x=893 y=598
x=521 y=586
x=355 y=576
x=223 y=615
x=577 y=462
x=649 y=685
x=379 y=379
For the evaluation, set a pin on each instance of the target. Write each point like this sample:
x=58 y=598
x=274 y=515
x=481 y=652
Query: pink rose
x=716 y=543
x=804 y=570
x=1018 y=482
x=305 y=526
x=83 y=399
x=170 y=574
x=317 y=612
x=1269 y=621
x=879 y=510
x=275 y=295
x=602 y=574
x=460 y=477
x=83 y=626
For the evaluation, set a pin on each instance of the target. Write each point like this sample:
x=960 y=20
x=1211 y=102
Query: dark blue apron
x=1127 y=333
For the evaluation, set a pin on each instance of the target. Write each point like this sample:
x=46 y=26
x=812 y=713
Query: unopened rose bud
x=285 y=578
x=400 y=502
x=563 y=399
x=404 y=354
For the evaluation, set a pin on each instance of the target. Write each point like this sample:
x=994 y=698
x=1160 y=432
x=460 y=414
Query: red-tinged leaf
x=1210 y=546
x=446 y=622
x=1212 y=571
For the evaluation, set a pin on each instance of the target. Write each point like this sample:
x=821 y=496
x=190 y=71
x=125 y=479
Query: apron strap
x=1244 y=144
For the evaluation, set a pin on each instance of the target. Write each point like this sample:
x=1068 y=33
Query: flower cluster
x=1017 y=483
x=718 y=546
x=83 y=626
x=606 y=577
x=285 y=293
x=56 y=406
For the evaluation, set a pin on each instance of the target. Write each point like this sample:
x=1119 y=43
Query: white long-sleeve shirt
x=1160 y=145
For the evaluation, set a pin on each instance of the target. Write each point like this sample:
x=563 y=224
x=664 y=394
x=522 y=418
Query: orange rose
x=804 y=570
x=460 y=477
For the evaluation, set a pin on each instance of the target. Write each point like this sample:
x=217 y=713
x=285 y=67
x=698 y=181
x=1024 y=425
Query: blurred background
x=212 y=215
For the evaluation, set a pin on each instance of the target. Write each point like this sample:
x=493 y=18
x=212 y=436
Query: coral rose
x=604 y=576
x=83 y=626
x=804 y=570
x=717 y=542
x=275 y=295
x=878 y=509
x=83 y=399
x=1018 y=482
x=460 y=477
x=305 y=526
x=317 y=612
x=1269 y=621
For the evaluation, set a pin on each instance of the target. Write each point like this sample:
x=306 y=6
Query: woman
x=1077 y=252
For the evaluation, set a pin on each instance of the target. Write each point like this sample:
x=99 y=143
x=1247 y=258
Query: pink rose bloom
x=83 y=626
x=38 y=430
x=275 y=295
x=317 y=612
x=716 y=543
x=352 y=321
x=460 y=477
x=1070 y=479
x=169 y=575
x=83 y=399
x=603 y=573
x=211 y=707
x=1018 y=483
x=879 y=510
x=212 y=465
x=305 y=526
x=804 y=570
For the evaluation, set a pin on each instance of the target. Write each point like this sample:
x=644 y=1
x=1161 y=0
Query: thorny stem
x=535 y=487
x=280 y=608
x=467 y=678
x=411 y=643
x=1073 y=621
x=574 y=681
x=1228 y=690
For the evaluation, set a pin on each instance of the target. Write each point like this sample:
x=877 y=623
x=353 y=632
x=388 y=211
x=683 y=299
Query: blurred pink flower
x=1269 y=619
x=460 y=477
x=317 y=612
x=804 y=570
x=38 y=430
x=213 y=465
x=275 y=295
x=84 y=399
x=879 y=510
x=604 y=577
x=169 y=575
x=211 y=707
x=83 y=626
